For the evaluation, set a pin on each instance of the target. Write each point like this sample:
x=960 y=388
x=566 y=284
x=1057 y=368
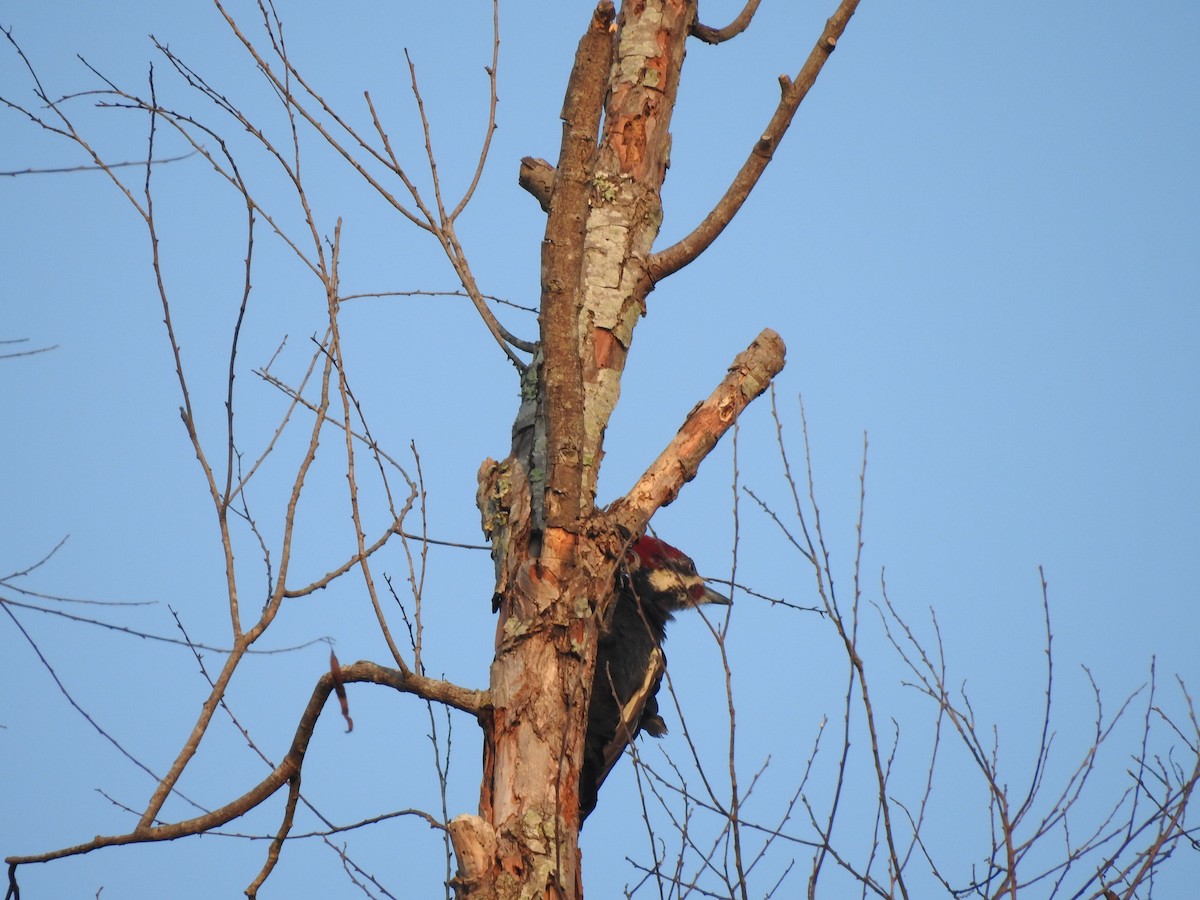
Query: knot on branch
x=604 y=16
x=475 y=847
x=537 y=177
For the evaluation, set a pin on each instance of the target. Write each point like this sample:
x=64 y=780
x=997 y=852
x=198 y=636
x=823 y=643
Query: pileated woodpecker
x=654 y=582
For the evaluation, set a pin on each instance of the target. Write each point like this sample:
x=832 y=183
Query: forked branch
x=675 y=257
x=288 y=770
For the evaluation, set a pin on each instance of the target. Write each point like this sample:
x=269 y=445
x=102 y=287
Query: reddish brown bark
x=555 y=559
x=562 y=257
x=555 y=553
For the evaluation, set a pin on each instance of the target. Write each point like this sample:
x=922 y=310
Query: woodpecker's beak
x=711 y=596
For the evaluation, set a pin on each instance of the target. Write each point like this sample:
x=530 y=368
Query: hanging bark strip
x=335 y=673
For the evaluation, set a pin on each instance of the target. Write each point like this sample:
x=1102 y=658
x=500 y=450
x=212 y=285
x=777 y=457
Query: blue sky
x=979 y=242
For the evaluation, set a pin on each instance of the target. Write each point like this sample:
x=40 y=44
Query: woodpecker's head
x=664 y=578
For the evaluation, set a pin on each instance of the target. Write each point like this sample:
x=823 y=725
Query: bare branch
x=17 y=353
x=528 y=346
x=732 y=30
x=675 y=257
x=440 y=225
x=62 y=170
x=79 y=709
x=21 y=573
x=288 y=770
x=493 y=99
x=749 y=375
x=146 y=635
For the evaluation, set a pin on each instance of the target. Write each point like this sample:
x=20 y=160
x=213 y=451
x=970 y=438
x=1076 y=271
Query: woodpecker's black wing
x=639 y=713
x=655 y=582
x=629 y=669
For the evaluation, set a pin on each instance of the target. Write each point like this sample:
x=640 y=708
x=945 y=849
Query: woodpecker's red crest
x=667 y=577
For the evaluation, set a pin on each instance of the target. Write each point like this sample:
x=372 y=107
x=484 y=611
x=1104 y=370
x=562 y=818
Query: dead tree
x=555 y=550
x=553 y=546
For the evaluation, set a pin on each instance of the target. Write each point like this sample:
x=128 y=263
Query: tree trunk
x=555 y=554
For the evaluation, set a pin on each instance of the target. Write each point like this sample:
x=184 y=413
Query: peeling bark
x=555 y=554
